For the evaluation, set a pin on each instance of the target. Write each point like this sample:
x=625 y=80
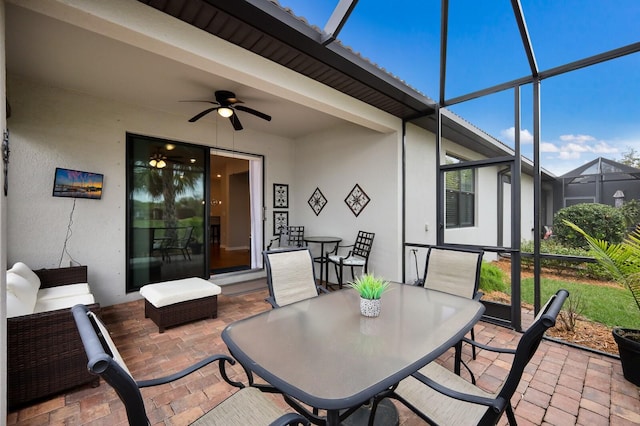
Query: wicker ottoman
x=176 y=302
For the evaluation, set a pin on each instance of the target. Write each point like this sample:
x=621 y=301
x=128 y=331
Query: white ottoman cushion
x=172 y=292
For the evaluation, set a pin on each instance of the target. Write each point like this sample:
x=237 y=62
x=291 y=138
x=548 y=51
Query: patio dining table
x=324 y=353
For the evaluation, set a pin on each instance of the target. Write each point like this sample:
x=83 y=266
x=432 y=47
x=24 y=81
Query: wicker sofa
x=44 y=351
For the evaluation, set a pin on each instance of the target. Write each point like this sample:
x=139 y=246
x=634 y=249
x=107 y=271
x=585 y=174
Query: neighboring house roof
x=275 y=33
x=602 y=166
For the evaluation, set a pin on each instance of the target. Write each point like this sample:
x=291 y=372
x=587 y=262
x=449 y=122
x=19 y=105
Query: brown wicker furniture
x=44 y=352
x=176 y=302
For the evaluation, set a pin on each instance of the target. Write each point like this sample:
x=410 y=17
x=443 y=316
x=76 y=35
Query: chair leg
x=510 y=416
x=458 y=358
x=340 y=275
x=473 y=347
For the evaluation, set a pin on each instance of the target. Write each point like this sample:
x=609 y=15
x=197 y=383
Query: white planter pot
x=370 y=307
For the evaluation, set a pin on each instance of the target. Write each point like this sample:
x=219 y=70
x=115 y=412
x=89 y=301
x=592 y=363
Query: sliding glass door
x=166 y=211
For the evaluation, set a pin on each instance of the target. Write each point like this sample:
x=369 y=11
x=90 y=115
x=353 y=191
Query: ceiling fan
x=227 y=106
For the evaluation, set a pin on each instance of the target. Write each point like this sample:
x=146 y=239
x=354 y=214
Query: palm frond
x=621 y=260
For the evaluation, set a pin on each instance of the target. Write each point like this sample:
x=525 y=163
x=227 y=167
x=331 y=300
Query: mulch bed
x=585 y=333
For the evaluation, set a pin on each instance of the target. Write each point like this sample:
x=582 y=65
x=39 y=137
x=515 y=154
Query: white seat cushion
x=63 y=291
x=24 y=271
x=63 y=303
x=22 y=289
x=172 y=292
x=347 y=261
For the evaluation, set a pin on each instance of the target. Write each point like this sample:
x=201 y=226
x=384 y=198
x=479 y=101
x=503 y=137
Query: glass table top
x=323 y=352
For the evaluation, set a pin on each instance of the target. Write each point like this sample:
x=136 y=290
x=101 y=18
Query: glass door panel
x=167 y=208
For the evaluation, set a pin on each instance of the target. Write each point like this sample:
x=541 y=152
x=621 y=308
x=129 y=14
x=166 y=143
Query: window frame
x=464 y=194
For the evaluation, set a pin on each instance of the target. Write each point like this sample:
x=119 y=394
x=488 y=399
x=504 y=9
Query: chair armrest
x=272 y=302
x=271 y=241
x=497 y=404
x=338 y=247
x=191 y=369
x=489 y=348
x=290 y=419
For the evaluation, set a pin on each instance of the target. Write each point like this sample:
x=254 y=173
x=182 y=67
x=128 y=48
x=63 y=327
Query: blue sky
x=589 y=113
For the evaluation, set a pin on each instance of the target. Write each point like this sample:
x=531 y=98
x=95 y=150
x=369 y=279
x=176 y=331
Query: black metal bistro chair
x=289 y=236
x=357 y=257
x=290 y=276
x=439 y=396
x=454 y=271
x=247 y=406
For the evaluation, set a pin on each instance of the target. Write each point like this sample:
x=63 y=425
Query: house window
x=460 y=196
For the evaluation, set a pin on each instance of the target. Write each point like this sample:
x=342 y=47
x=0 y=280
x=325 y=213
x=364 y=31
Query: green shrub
x=492 y=278
x=631 y=212
x=598 y=220
x=559 y=266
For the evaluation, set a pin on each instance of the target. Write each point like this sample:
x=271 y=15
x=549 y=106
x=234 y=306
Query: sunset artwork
x=77 y=184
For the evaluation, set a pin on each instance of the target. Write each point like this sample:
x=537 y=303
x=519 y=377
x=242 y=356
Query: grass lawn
x=611 y=306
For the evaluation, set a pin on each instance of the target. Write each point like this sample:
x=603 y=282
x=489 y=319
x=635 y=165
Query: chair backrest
x=105 y=361
x=527 y=347
x=363 y=244
x=293 y=236
x=182 y=237
x=290 y=275
x=453 y=270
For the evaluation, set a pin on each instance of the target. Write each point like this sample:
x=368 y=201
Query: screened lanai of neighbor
x=326 y=131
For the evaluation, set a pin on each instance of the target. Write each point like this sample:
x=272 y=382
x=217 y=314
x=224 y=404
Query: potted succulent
x=622 y=262
x=370 y=288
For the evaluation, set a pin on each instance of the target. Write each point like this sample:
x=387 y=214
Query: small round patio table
x=322 y=260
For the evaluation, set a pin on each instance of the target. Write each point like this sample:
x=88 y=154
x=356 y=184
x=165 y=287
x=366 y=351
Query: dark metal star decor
x=317 y=201
x=357 y=200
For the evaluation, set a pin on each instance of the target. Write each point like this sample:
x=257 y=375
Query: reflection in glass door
x=166 y=206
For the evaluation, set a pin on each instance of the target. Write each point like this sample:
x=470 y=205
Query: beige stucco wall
x=335 y=161
x=52 y=127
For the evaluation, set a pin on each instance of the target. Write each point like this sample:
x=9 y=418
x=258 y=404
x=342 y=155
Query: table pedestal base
x=386 y=415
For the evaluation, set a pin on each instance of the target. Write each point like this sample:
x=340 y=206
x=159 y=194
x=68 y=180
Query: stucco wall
x=52 y=127
x=335 y=161
x=421 y=213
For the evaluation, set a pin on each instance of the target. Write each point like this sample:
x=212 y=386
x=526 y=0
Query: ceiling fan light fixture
x=225 y=112
x=153 y=162
x=161 y=164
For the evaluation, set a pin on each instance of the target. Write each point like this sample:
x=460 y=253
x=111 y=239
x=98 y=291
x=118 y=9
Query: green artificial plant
x=369 y=286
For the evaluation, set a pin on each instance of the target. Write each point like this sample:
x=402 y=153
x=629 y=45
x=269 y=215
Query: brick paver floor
x=562 y=385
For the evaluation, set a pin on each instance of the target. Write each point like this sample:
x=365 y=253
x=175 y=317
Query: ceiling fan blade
x=200 y=100
x=202 y=114
x=236 y=122
x=253 y=111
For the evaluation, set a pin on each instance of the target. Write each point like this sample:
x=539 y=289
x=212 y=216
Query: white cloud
x=604 y=148
x=548 y=147
x=572 y=147
x=510 y=134
x=581 y=139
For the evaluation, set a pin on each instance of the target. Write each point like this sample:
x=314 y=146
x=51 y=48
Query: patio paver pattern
x=562 y=385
